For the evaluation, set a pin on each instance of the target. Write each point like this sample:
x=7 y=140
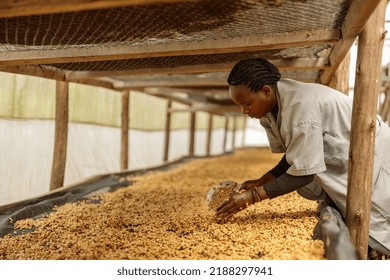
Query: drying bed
x=164 y=215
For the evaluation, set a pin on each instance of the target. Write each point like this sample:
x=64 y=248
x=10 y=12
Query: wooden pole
x=167 y=131
x=209 y=134
x=340 y=80
x=192 y=133
x=360 y=171
x=385 y=108
x=243 y=132
x=60 y=135
x=125 y=131
x=234 y=133
x=385 y=105
x=225 y=134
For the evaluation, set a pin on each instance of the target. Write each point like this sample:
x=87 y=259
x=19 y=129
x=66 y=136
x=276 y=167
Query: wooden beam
x=60 y=136
x=220 y=110
x=340 y=79
x=13 y=8
x=167 y=131
x=167 y=96
x=124 y=161
x=192 y=134
x=238 y=44
x=361 y=161
x=104 y=83
x=194 y=106
x=37 y=71
x=161 y=78
x=223 y=110
x=174 y=82
x=290 y=64
x=220 y=90
x=356 y=18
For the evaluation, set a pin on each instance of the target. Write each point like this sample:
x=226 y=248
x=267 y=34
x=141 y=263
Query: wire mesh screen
x=153 y=24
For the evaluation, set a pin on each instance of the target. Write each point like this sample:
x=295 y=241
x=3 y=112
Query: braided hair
x=254 y=73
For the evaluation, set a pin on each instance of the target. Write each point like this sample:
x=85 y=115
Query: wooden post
x=340 y=80
x=209 y=134
x=385 y=108
x=360 y=171
x=225 y=133
x=243 y=132
x=61 y=135
x=125 y=131
x=234 y=134
x=192 y=133
x=167 y=130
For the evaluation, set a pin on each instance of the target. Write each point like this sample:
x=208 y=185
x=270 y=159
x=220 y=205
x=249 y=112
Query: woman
x=311 y=124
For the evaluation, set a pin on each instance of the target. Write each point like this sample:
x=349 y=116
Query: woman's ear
x=266 y=89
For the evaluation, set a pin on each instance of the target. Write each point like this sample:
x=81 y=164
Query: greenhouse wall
x=27 y=111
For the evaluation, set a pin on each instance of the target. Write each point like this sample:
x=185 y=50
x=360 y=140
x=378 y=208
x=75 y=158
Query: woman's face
x=254 y=104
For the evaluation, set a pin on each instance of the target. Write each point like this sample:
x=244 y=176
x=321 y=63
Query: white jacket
x=313 y=129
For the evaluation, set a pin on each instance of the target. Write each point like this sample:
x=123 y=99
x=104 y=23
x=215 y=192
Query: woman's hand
x=250 y=184
x=236 y=203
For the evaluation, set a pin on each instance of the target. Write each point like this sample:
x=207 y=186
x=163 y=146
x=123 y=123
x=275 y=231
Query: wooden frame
x=61 y=135
x=124 y=159
x=209 y=135
x=251 y=43
x=12 y=8
x=167 y=131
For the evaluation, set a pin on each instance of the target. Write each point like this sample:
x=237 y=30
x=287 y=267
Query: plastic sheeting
x=43 y=205
x=335 y=234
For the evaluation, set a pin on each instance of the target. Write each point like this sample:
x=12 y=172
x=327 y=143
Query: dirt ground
x=164 y=215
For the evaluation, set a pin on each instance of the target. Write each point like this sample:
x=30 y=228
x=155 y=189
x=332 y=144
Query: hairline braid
x=254 y=73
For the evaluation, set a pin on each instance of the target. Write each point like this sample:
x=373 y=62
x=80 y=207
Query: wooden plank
x=124 y=161
x=168 y=96
x=356 y=18
x=192 y=134
x=104 y=83
x=60 y=136
x=233 y=110
x=360 y=171
x=220 y=110
x=174 y=82
x=167 y=131
x=220 y=90
x=12 y=8
x=195 y=106
x=209 y=135
x=239 y=44
x=102 y=79
x=37 y=71
x=291 y=64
